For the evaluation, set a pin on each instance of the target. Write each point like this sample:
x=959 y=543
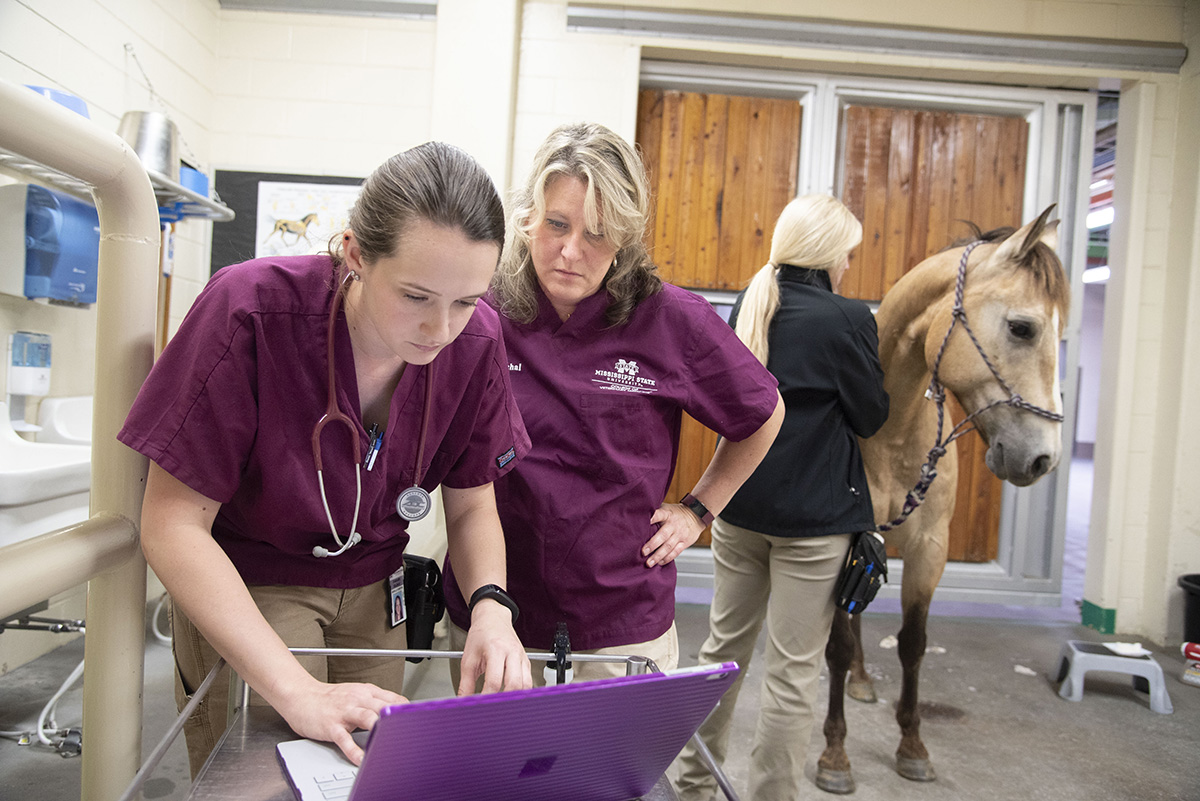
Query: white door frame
x=1028 y=567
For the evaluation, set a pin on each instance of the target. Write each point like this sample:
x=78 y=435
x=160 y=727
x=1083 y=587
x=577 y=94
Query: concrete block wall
x=317 y=93
x=314 y=94
x=570 y=77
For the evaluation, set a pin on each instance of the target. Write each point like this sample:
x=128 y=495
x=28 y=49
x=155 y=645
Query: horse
x=297 y=227
x=983 y=321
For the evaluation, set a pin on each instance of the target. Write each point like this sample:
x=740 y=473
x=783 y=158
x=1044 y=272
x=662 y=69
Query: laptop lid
x=606 y=740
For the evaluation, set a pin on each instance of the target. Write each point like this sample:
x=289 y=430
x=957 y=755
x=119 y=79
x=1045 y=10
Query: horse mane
x=1041 y=261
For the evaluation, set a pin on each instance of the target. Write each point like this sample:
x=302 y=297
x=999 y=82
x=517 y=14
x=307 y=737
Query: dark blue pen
x=373 y=448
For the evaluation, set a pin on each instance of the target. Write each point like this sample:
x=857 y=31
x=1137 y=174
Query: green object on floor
x=1098 y=618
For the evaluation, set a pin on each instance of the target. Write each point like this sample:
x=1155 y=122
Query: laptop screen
x=606 y=740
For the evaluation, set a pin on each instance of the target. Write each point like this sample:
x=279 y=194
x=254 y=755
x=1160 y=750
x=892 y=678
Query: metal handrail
x=104 y=549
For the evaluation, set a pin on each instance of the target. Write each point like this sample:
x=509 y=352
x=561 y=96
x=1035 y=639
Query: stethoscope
x=413 y=503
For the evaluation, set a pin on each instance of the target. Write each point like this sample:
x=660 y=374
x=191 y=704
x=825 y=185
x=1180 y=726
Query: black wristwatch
x=498 y=595
x=699 y=509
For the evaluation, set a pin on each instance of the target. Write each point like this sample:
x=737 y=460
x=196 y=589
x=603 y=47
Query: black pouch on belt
x=863 y=574
x=424 y=599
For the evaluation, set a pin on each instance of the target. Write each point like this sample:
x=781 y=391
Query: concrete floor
x=993 y=730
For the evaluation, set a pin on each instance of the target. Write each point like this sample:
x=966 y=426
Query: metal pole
x=42 y=131
x=161 y=749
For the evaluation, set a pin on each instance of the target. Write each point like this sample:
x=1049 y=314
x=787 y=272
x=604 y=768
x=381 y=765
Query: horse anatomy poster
x=297 y=219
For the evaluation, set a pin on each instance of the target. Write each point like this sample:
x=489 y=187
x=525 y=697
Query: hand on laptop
x=330 y=712
x=494 y=652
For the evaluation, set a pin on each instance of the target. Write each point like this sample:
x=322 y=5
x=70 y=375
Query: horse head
x=1003 y=367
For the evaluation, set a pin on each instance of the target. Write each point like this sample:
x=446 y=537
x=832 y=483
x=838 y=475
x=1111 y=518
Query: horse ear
x=1018 y=246
x=1049 y=235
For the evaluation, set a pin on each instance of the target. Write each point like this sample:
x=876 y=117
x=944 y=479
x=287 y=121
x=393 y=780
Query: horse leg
x=912 y=759
x=859 y=687
x=833 y=768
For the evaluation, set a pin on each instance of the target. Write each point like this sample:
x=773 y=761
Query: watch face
x=698 y=509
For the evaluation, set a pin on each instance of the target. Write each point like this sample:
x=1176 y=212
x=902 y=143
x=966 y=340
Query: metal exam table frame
x=244 y=758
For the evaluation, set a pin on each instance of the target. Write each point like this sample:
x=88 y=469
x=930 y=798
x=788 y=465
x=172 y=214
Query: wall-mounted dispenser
x=28 y=374
x=49 y=245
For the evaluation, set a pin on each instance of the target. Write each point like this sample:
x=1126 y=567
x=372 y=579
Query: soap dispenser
x=28 y=374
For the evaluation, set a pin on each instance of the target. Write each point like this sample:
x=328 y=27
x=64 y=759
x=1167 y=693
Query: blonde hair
x=617 y=204
x=816 y=232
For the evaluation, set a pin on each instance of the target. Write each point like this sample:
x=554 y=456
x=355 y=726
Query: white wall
x=1173 y=515
x=80 y=47
x=1091 y=329
x=314 y=94
x=569 y=77
x=318 y=93
x=1145 y=509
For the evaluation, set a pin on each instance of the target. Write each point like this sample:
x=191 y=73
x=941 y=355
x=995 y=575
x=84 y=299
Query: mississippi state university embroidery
x=625 y=376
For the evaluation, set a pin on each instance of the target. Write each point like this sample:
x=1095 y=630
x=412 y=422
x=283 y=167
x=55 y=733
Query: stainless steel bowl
x=155 y=139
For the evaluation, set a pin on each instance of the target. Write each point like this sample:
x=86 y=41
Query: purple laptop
x=606 y=740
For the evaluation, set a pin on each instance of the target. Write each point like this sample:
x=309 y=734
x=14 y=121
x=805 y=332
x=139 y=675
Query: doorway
x=911 y=159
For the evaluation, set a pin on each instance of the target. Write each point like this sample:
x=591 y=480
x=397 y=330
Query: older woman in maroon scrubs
x=604 y=358
x=383 y=341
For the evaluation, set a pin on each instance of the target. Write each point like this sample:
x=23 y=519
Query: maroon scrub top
x=603 y=408
x=230 y=406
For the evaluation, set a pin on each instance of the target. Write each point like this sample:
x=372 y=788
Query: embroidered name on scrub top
x=624 y=377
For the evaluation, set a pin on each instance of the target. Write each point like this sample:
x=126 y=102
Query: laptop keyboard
x=336 y=786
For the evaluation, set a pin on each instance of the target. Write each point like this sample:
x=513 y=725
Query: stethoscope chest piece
x=413 y=504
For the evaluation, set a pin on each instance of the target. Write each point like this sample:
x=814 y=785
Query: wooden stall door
x=722 y=167
x=912 y=177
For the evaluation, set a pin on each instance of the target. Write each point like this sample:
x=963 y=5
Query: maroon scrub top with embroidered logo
x=603 y=407
x=230 y=407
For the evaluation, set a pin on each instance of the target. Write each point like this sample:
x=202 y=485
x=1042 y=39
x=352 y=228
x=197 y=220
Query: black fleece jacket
x=824 y=349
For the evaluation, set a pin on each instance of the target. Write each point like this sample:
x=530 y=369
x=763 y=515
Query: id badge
x=397 y=611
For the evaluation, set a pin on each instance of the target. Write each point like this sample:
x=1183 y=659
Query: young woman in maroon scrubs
x=604 y=359
x=295 y=425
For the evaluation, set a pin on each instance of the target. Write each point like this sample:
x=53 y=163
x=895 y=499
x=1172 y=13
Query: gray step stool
x=1080 y=656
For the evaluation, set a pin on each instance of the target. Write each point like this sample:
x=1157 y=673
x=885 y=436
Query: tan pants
x=664 y=650
x=309 y=617
x=788 y=582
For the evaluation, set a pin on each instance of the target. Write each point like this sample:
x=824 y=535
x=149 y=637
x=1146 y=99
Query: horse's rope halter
x=937 y=393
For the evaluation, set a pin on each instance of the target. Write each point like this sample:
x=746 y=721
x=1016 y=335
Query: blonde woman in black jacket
x=779 y=544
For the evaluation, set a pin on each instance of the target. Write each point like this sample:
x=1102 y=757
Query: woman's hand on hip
x=678 y=529
x=330 y=712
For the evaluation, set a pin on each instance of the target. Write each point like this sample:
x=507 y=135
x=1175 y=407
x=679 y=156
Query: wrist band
x=497 y=594
x=698 y=509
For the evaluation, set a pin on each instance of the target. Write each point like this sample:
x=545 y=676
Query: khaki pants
x=789 y=582
x=664 y=650
x=308 y=617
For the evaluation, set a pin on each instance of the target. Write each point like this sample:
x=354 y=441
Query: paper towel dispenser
x=49 y=245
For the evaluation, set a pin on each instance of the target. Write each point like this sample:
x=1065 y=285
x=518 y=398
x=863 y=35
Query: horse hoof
x=862 y=691
x=917 y=770
x=835 y=781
